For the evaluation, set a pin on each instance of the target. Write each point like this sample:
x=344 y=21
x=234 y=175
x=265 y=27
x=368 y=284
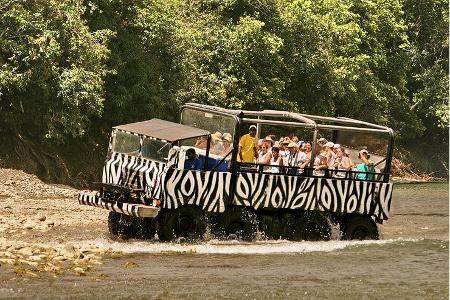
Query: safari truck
x=148 y=189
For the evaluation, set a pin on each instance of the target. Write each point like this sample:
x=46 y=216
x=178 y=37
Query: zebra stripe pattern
x=211 y=190
x=207 y=190
x=333 y=195
x=135 y=210
x=138 y=173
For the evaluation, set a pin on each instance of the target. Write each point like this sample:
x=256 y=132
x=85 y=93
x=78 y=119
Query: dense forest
x=69 y=70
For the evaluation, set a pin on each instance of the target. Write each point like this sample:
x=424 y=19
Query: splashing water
x=231 y=247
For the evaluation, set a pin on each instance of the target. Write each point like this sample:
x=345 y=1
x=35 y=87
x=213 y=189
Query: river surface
x=409 y=262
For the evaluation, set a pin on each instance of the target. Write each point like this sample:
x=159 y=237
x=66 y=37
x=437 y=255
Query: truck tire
x=311 y=226
x=188 y=222
x=359 y=228
x=113 y=223
x=145 y=228
x=238 y=222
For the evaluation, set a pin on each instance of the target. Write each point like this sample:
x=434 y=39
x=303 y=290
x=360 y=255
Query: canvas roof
x=163 y=130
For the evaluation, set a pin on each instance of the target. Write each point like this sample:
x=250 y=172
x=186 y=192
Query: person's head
x=295 y=139
x=346 y=152
x=190 y=154
x=328 y=146
x=292 y=147
x=227 y=140
x=363 y=153
x=301 y=145
x=216 y=137
x=322 y=141
x=252 y=130
x=339 y=152
x=268 y=141
x=263 y=148
x=336 y=147
x=307 y=147
x=275 y=151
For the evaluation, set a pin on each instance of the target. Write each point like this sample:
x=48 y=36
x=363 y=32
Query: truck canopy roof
x=163 y=130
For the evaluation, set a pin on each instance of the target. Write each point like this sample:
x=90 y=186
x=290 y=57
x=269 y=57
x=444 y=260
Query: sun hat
x=216 y=136
x=363 y=151
x=322 y=141
x=292 y=145
x=336 y=146
x=252 y=127
x=227 y=136
x=329 y=144
x=268 y=138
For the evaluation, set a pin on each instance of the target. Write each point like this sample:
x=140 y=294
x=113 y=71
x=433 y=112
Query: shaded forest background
x=70 y=70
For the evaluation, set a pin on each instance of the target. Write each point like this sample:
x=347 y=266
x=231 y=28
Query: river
x=409 y=261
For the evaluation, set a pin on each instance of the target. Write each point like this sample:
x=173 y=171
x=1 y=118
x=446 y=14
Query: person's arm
x=323 y=164
x=268 y=158
x=240 y=150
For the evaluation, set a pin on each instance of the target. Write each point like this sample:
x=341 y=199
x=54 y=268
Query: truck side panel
x=312 y=193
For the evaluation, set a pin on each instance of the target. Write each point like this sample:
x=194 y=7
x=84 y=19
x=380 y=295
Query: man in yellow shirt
x=247 y=146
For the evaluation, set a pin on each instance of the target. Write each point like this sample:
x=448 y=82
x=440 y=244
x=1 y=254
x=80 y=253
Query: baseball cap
x=336 y=146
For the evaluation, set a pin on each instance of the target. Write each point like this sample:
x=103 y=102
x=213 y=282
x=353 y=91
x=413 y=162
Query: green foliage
x=74 y=68
x=51 y=68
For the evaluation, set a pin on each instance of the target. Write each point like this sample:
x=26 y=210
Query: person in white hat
x=365 y=166
x=247 y=151
x=331 y=156
x=216 y=143
x=227 y=140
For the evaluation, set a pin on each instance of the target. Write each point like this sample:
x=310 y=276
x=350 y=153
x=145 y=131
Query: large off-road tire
x=275 y=226
x=113 y=223
x=145 y=228
x=311 y=226
x=188 y=222
x=238 y=222
x=359 y=228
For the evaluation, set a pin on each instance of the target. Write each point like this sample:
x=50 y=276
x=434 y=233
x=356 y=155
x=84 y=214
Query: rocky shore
x=41 y=226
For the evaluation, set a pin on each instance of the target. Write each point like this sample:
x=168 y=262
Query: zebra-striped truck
x=148 y=191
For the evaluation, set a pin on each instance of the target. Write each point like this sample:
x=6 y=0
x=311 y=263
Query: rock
x=29 y=226
x=79 y=271
x=130 y=264
x=36 y=258
x=59 y=258
x=42 y=218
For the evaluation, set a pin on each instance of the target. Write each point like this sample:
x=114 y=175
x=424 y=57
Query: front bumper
x=131 y=209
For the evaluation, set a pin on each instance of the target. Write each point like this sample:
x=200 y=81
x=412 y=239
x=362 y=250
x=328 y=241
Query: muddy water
x=410 y=261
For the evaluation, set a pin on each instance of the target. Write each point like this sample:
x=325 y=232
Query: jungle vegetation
x=70 y=70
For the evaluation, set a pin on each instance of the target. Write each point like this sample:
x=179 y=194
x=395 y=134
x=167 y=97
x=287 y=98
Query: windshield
x=155 y=149
x=126 y=143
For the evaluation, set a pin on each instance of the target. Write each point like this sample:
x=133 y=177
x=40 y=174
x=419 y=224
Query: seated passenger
x=305 y=156
x=293 y=157
x=365 y=166
x=276 y=160
x=320 y=161
x=192 y=162
x=264 y=156
x=331 y=156
x=227 y=140
x=341 y=162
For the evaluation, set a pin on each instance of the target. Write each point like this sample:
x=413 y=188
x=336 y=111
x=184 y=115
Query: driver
x=192 y=162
